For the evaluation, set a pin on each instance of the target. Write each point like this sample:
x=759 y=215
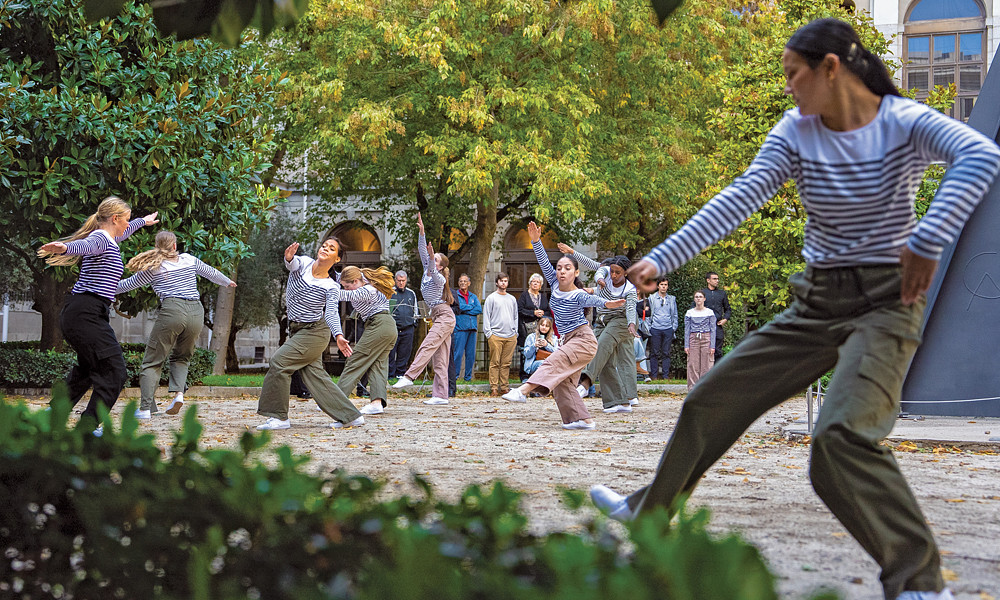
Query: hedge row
x=22 y=364
x=115 y=517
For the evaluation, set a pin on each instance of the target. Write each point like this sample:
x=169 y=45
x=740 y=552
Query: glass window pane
x=929 y=10
x=970 y=47
x=970 y=78
x=917 y=78
x=944 y=75
x=918 y=50
x=965 y=105
x=944 y=48
x=516 y=274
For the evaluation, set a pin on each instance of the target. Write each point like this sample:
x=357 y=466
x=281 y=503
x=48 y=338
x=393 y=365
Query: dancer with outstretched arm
x=578 y=345
x=85 y=318
x=856 y=151
x=174 y=277
x=312 y=299
x=368 y=291
x=436 y=346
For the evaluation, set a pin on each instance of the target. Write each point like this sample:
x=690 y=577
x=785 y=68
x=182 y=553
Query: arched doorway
x=519 y=261
x=362 y=247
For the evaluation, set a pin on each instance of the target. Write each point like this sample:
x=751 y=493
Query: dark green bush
x=113 y=517
x=22 y=364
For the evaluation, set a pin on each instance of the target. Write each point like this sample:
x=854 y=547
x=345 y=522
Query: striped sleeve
x=543 y=261
x=210 y=273
x=425 y=258
x=293 y=265
x=332 y=313
x=587 y=262
x=591 y=300
x=723 y=214
x=973 y=164
x=631 y=298
x=135 y=282
x=92 y=245
x=133 y=226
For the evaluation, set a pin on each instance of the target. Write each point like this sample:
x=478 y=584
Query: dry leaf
x=838 y=534
x=949 y=575
x=954 y=500
x=605 y=450
x=352 y=445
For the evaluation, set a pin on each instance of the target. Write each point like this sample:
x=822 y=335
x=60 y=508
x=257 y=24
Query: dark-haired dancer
x=436 y=346
x=561 y=371
x=85 y=316
x=368 y=290
x=614 y=363
x=857 y=151
x=312 y=299
x=174 y=277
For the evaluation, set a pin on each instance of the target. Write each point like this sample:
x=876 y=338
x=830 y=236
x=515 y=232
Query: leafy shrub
x=22 y=364
x=112 y=517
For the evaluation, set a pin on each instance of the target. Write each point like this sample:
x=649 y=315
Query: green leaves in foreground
x=118 y=517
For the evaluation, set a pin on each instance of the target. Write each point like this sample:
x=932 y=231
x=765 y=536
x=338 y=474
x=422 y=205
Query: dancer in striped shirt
x=856 y=151
x=312 y=300
x=174 y=277
x=369 y=290
x=577 y=345
x=85 y=316
x=436 y=346
x=614 y=363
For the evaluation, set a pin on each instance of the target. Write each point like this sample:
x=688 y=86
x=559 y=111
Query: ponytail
x=446 y=294
x=381 y=279
x=150 y=260
x=108 y=208
x=814 y=40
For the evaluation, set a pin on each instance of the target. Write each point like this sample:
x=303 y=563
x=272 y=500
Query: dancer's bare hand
x=601 y=283
x=52 y=248
x=565 y=249
x=918 y=273
x=420 y=224
x=643 y=275
x=345 y=346
x=232 y=284
x=290 y=251
x=631 y=329
x=151 y=219
x=615 y=303
x=534 y=232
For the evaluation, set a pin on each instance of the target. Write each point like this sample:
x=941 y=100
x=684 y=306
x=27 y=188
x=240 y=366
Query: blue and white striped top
x=101 y=266
x=309 y=299
x=857 y=187
x=696 y=321
x=567 y=307
x=609 y=291
x=432 y=282
x=366 y=300
x=175 y=279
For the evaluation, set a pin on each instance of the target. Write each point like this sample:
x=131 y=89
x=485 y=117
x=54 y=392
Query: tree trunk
x=232 y=361
x=224 y=303
x=49 y=298
x=482 y=242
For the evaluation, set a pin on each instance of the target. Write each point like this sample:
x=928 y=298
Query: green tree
x=110 y=108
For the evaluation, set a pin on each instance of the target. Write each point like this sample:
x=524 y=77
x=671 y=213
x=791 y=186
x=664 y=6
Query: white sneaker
x=372 y=408
x=435 y=400
x=99 y=431
x=515 y=395
x=584 y=392
x=944 y=594
x=176 y=405
x=619 y=408
x=142 y=414
x=272 y=423
x=612 y=503
x=403 y=382
x=581 y=424
x=355 y=423
x=633 y=402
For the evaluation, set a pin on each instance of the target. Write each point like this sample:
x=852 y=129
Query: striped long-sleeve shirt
x=857 y=187
x=609 y=291
x=432 y=282
x=567 y=307
x=101 y=266
x=309 y=299
x=175 y=279
x=696 y=321
x=366 y=300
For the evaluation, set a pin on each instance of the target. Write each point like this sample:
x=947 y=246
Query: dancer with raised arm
x=312 y=299
x=368 y=290
x=85 y=318
x=614 y=363
x=561 y=371
x=436 y=346
x=856 y=151
x=174 y=277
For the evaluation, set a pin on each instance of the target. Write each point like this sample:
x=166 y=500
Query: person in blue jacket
x=466 y=326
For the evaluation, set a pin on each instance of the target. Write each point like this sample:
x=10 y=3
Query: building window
x=945 y=44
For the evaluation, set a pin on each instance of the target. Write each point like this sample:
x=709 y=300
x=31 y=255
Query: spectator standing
x=403 y=306
x=699 y=339
x=500 y=328
x=662 y=326
x=466 y=327
x=717 y=300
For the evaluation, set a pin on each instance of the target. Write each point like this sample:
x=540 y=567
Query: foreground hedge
x=22 y=364
x=111 y=517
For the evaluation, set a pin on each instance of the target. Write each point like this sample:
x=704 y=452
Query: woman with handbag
x=539 y=345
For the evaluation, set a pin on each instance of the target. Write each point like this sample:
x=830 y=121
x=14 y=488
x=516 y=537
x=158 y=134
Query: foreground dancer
x=311 y=298
x=436 y=346
x=857 y=151
x=178 y=323
x=578 y=345
x=85 y=316
x=368 y=290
